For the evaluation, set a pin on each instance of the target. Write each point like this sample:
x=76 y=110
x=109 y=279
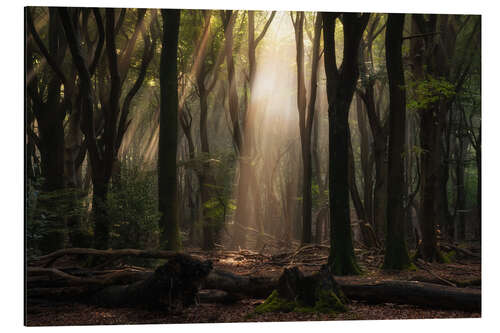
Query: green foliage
x=46 y=213
x=220 y=204
x=471 y=179
x=217 y=208
x=319 y=199
x=428 y=92
x=133 y=209
x=36 y=222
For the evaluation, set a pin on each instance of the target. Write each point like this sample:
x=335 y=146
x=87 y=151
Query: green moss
x=345 y=265
x=327 y=302
x=274 y=303
x=449 y=257
x=412 y=267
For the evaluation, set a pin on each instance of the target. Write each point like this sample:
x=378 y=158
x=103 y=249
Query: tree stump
x=318 y=292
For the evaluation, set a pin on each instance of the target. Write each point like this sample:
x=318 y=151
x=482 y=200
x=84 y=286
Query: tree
x=375 y=200
x=228 y=21
x=306 y=114
x=396 y=254
x=167 y=149
x=340 y=86
x=104 y=139
x=439 y=73
x=249 y=121
x=49 y=113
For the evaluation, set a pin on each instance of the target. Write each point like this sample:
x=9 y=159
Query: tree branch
x=50 y=59
x=263 y=32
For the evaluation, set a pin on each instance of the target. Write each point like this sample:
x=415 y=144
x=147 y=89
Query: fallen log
x=50 y=258
x=412 y=292
x=250 y=286
x=401 y=292
x=171 y=286
x=178 y=281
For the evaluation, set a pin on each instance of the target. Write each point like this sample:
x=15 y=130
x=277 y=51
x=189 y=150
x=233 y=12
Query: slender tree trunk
x=460 y=175
x=306 y=116
x=478 y=190
x=306 y=233
x=366 y=161
x=396 y=253
x=241 y=213
x=167 y=150
x=379 y=151
x=204 y=177
x=353 y=187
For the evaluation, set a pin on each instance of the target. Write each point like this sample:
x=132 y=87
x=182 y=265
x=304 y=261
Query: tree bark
x=396 y=253
x=366 y=160
x=306 y=116
x=167 y=150
x=50 y=116
x=430 y=132
x=340 y=89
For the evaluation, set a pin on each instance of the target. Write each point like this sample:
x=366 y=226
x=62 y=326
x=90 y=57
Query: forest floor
x=459 y=272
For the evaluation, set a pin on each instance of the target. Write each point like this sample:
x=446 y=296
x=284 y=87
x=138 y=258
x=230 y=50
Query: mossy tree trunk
x=396 y=253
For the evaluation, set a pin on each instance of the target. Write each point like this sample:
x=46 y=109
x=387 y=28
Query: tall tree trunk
x=340 y=89
x=306 y=116
x=50 y=116
x=167 y=150
x=379 y=133
x=396 y=253
x=241 y=213
x=431 y=125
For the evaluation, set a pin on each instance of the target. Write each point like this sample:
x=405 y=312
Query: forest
x=208 y=166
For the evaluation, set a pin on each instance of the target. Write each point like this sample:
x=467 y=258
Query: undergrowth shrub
x=133 y=209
